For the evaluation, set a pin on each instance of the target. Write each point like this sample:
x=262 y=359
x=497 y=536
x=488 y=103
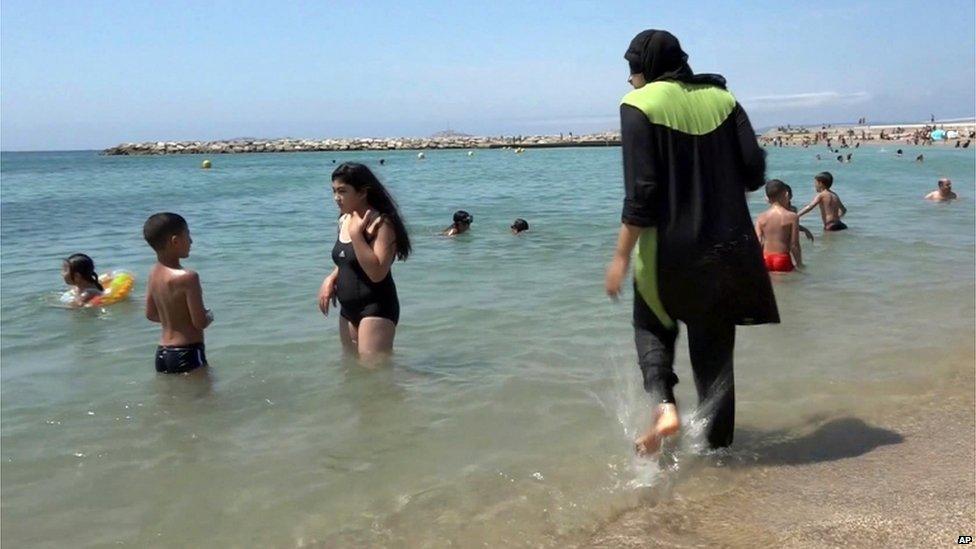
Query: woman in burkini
x=690 y=155
x=371 y=236
x=78 y=272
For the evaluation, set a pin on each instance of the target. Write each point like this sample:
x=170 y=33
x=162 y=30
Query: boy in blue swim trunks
x=174 y=297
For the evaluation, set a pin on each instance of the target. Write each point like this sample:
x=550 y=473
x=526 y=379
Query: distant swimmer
x=944 y=192
x=519 y=226
x=831 y=208
x=966 y=144
x=899 y=152
x=818 y=157
x=849 y=155
x=78 y=272
x=840 y=158
x=462 y=222
x=920 y=158
x=778 y=230
x=382 y=161
x=421 y=156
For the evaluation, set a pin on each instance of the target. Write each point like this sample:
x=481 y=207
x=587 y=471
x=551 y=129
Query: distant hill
x=449 y=133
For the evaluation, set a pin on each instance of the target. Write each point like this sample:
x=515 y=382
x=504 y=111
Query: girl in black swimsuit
x=371 y=236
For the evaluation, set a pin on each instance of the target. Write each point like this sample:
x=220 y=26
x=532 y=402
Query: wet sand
x=900 y=475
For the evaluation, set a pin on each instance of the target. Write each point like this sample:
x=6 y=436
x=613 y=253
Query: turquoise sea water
x=507 y=413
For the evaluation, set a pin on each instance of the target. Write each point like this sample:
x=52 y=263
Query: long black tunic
x=690 y=155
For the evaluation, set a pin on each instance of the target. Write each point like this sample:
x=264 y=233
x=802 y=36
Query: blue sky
x=83 y=75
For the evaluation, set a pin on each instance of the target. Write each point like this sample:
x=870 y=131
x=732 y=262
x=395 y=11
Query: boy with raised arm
x=831 y=208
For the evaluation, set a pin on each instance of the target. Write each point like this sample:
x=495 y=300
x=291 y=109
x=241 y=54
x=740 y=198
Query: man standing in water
x=943 y=193
x=690 y=154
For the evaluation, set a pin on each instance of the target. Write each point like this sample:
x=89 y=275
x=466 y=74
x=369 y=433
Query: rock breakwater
x=249 y=145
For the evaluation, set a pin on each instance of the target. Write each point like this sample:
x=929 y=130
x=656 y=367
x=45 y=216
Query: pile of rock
x=359 y=144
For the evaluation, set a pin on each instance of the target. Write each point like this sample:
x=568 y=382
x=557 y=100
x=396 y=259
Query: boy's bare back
x=831 y=208
x=174 y=298
x=777 y=229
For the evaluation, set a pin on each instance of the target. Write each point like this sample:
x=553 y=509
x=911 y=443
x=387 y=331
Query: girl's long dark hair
x=360 y=177
x=83 y=265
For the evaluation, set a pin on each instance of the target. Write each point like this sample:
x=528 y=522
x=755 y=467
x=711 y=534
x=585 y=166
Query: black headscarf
x=657 y=55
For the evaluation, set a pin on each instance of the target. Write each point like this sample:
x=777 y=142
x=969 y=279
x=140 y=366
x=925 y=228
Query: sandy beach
x=872 y=134
x=894 y=476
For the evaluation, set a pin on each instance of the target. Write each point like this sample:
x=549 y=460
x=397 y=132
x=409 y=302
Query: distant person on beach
x=943 y=193
x=78 y=271
x=698 y=259
x=831 y=208
x=519 y=226
x=174 y=296
x=462 y=222
x=371 y=236
x=778 y=230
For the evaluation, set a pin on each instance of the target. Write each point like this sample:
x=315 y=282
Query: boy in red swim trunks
x=778 y=230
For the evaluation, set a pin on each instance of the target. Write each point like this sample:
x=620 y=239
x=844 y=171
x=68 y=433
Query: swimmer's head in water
x=945 y=184
x=167 y=231
x=354 y=186
x=776 y=191
x=80 y=266
x=462 y=217
x=823 y=180
x=519 y=225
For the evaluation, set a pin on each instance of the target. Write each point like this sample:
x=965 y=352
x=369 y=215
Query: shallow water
x=507 y=414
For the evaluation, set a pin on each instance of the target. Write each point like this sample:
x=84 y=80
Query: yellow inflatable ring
x=118 y=285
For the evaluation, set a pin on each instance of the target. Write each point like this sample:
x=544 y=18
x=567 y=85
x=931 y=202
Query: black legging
x=711 y=345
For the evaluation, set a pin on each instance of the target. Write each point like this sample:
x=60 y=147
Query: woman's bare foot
x=664 y=423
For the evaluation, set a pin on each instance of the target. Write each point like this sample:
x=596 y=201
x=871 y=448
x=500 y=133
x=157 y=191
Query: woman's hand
x=327 y=294
x=358 y=223
x=616 y=272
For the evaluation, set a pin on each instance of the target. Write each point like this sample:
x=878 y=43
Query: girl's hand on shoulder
x=358 y=223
